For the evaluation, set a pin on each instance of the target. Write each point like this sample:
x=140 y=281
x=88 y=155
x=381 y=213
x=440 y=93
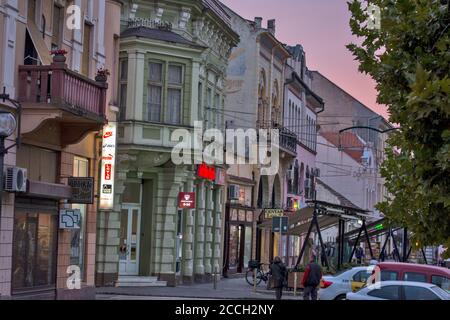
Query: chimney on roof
x=271 y=26
x=258 y=22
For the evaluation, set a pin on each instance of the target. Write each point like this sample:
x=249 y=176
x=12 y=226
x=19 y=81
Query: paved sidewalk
x=236 y=288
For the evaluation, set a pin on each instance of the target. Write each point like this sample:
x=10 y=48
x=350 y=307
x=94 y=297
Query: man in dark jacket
x=278 y=272
x=311 y=280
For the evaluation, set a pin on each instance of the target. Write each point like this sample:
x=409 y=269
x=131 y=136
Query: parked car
x=400 y=290
x=415 y=272
x=337 y=286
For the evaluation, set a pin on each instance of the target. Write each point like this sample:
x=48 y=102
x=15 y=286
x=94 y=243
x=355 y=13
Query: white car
x=336 y=287
x=400 y=290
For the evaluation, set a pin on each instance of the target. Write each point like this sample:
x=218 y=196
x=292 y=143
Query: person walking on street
x=311 y=280
x=278 y=272
x=359 y=255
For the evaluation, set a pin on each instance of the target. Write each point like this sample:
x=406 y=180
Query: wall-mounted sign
x=186 y=200
x=70 y=219
x=206 y=172
x=82 y=190
x=270 y=213
x=108 y=164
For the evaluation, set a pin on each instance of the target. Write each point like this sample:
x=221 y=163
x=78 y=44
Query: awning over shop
x=302 y=216
x=324 y=222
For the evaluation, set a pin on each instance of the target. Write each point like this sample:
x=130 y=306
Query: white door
x=130 y=221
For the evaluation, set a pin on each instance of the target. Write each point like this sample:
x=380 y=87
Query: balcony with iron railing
x=287 y=138
x=56 y=93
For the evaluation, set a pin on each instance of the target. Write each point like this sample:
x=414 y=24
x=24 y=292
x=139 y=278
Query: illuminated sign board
x=108 y=164
x=206 y=172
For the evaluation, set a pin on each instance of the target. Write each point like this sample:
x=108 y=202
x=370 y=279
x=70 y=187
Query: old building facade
x=64 y=108
x=301 y=106
x=173 y=60
x=254 y=100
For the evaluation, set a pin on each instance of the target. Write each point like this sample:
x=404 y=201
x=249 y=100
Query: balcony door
x=129 y=240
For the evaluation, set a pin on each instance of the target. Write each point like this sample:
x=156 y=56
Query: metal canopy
x=324 y=222
x=322 y=215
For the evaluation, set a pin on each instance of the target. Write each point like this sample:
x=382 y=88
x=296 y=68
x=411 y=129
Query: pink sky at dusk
x=322 y=28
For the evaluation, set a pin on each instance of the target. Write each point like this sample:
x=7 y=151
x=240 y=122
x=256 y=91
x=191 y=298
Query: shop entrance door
x=130 y=221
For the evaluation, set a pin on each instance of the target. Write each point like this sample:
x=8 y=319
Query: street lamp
x=8 y=125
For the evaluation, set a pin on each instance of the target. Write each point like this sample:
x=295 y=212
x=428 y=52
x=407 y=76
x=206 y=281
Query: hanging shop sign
x=70 y=219
x=206 y=172
x=186 y=200
x=108 y=164
x=82 y=190
x=270 y=213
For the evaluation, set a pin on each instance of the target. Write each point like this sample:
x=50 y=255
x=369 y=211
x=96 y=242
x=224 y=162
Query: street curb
x=171 y=296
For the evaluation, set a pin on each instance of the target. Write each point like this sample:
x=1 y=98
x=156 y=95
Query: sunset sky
x=322 y=28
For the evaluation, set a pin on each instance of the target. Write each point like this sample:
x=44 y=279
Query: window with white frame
x=174 y=94
x=155 y=92
x=123 y=87
x=217 y=111
x=209 y=108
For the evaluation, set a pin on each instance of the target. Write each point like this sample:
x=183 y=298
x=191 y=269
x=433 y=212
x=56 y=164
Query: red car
x=396 y=271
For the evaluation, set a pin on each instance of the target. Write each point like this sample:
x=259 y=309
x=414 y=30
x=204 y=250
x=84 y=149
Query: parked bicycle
x=261 y=274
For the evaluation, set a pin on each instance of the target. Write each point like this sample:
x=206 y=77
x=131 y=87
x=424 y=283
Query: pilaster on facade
x=208 y=229
x=199 y=267
x=135 y=93
x=217 y=229
x=188 y=236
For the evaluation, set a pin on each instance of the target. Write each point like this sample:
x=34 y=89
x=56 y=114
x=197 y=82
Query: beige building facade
x=65 y=104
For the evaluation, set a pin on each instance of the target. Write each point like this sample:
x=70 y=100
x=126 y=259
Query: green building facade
x=172 y=66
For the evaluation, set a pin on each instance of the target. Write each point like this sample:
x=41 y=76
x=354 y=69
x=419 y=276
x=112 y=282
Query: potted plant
x=294 y=273
x=59 y=55
x=102 y=75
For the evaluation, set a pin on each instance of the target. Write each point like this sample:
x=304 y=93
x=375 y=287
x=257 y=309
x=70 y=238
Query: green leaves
x=412 y=75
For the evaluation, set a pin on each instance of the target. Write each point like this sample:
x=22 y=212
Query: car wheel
x=341 y=297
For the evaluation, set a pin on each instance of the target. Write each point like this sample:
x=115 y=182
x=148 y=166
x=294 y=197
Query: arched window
x=289 y=179
x=259 y=203
x=288 y=120
x=275 y=103
x=295 y=181
x=301 y=181
x=262 y=97
x=307 y=183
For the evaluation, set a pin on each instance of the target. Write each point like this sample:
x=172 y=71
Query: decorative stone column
x=108 y=237
x=217 y=230
x=208 y=230
x=199 y=269
x=188 y=238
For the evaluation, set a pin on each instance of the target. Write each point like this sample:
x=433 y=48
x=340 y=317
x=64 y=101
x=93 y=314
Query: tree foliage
x=409 y=58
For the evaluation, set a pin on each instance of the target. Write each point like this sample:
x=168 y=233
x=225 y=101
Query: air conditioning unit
x=233 y=192
x=15 y=179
